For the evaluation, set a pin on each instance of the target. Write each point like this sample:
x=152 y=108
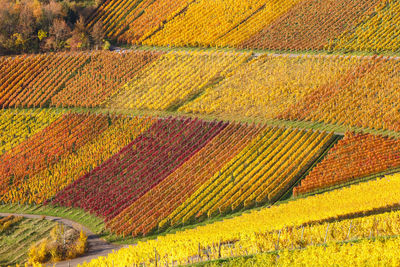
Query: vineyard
x=363 y=253
x=215 y=83
x=62 y=79
x=174 y=79
x=218 y=133
x=290 y=25
x=301 y=223
x=368 y=155
x=144 y=175
x=301 y=29
x=112 y=166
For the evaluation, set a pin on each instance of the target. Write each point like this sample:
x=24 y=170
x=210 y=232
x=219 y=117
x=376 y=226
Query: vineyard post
x=302 y=233
x=63 y=233
x=199 y=253
x=219 y=250
x=372 y=228
x=326 y=233
x=155 y=256
x=348 y=233
x=277 y=241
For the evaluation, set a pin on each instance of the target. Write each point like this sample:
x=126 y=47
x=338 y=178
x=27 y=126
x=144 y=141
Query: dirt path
x=97 y=246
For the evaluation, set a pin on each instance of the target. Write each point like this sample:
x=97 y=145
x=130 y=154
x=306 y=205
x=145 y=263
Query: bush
x=63 y=244
x=106 y=45
x=39 y=252
x=81 y=243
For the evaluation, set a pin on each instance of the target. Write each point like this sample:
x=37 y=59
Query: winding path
x=96 y=246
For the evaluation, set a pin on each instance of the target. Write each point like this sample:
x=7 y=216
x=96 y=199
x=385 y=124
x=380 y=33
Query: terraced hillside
x=291 y=25
x=225 y=133
x=114 y=165
x=301 y=223
x=224 y=85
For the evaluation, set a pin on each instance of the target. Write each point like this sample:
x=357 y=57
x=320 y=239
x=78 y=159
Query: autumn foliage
x=355 y=156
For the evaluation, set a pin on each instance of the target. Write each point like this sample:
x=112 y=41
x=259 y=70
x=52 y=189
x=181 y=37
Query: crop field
x=223 y=84
x=261 y=231
x=87 y=161
x=353 y=157
x=201 y=133
x=290 y=25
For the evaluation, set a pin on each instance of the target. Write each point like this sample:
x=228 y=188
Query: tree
x=26 y=23
x=41 y=34
x=51 y=12
x=41 y=25
x=59 y=32
x=80 y=37
x=97 y=33
x=8 y=26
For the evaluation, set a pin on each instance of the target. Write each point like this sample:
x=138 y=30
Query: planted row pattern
x=64 y=136
x=267 y=85
x=71 y=166
x=205 y=22
x=311 y=25
x=157 y=14
x=141 y=165
x=260 y=173
x=18 y=125
x=175 y=78
x=68 y=79
x=354 y=157
x=30 y=81
x=180 y=247
x=145 y=213
x=101 y=78
x=378 y=32
x=365 y=96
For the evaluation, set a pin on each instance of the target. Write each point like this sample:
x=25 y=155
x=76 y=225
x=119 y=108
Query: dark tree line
x=31 y=26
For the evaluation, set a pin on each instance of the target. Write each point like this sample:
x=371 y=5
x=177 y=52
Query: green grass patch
x=16 y=241
x=95 y=224
x=262 y=51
